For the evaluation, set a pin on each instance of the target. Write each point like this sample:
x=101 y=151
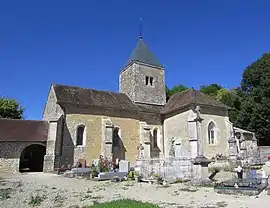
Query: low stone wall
x=224 y=165
x=9 y=165
x=170 y=169
x=264 y=152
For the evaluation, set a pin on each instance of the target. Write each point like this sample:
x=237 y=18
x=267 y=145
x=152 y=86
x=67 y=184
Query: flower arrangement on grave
x=104 y=164
x=94 y=171
x=131 y=174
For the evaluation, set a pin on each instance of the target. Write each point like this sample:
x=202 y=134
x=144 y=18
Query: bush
x=124 y=203
x=131 y=174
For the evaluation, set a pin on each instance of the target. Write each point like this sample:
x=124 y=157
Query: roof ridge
x=179 y=93
x=92 y=89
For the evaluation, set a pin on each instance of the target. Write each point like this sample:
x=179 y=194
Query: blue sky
x=86 y=43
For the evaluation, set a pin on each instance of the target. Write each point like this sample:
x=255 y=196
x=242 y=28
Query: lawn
x=124 y=203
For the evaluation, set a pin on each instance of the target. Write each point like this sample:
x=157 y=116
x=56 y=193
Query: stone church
x=86 y=123
x=80 y=123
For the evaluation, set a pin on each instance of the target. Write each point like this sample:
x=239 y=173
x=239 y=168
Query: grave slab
x=111 y=175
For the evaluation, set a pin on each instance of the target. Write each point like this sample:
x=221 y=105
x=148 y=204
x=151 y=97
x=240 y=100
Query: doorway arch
x=32 y=158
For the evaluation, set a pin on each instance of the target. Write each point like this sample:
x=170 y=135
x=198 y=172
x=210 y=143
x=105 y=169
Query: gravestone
x=124 y=166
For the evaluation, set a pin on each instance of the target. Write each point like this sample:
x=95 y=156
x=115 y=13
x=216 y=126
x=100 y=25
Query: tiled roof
x=119 y=101
x=92 y=97
x=142 y=54
x=190 y=96
x=23 y=130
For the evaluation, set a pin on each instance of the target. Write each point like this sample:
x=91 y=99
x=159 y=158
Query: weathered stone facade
x=181 y=124
x=10 y=153
x=86 y=123
x=135 y=81
x=143 y=118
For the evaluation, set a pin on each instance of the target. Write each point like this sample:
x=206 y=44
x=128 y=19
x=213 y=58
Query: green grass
x=124 y=203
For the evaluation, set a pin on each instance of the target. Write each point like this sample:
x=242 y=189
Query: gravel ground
x=49 y=190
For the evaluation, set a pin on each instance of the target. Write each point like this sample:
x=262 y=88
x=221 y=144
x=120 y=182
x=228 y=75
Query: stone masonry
x=133 y=83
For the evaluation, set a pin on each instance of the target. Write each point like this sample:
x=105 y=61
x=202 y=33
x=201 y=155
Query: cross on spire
x=140 y=28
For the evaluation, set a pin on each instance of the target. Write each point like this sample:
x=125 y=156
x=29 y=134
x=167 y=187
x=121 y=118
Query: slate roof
x=142 y=54
x=92 y=97
x=23 y=130
x=190 y=96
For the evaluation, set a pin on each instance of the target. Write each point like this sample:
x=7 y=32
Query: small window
x=146 y=80
x=80 y=135
x=151 y=81
x=211 y=133
x=155 y=138
x=116 y=137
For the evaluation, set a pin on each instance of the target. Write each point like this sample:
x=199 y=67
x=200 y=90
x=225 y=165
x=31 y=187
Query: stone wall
x=223 y=126
x=94 y=143
x=176 y=126
x=132 y=81
x=52 y=111
x=264 y=151
x=10 y=153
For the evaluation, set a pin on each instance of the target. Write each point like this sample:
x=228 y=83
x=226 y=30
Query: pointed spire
x=140 y=28
x=142 y=53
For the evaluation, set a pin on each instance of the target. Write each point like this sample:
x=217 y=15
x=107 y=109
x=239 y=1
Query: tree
x=10 y=108
x=231 y=99
x=255 y=97
x=211 y=89
x=175 y=89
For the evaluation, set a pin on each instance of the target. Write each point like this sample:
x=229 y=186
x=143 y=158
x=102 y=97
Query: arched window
x=116 y=137
x=211 y=133
x=155 y=134
x=80 y=136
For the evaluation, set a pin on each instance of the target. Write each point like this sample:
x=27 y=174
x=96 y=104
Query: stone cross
x=198 y=120
x=198 y=114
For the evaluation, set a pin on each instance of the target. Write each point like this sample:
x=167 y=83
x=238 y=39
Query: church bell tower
x=142 y=78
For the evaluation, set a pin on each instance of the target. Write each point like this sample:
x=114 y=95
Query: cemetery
x=250 y=178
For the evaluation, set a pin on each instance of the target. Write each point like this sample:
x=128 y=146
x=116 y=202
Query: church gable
x=52 y=110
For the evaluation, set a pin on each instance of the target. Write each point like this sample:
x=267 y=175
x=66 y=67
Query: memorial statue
x=172 y=148
x=140 y=151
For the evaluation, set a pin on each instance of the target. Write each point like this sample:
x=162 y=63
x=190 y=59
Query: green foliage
x=131 y=174
x=178 y=88
x=255 y=98
x=211 y=90
x=124 y=203
x=10 y=108
x=232 y=100
x=175 y=89
x=36 y=200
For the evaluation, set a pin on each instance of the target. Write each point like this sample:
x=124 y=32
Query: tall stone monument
x=200 y=162
x=232 y=146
